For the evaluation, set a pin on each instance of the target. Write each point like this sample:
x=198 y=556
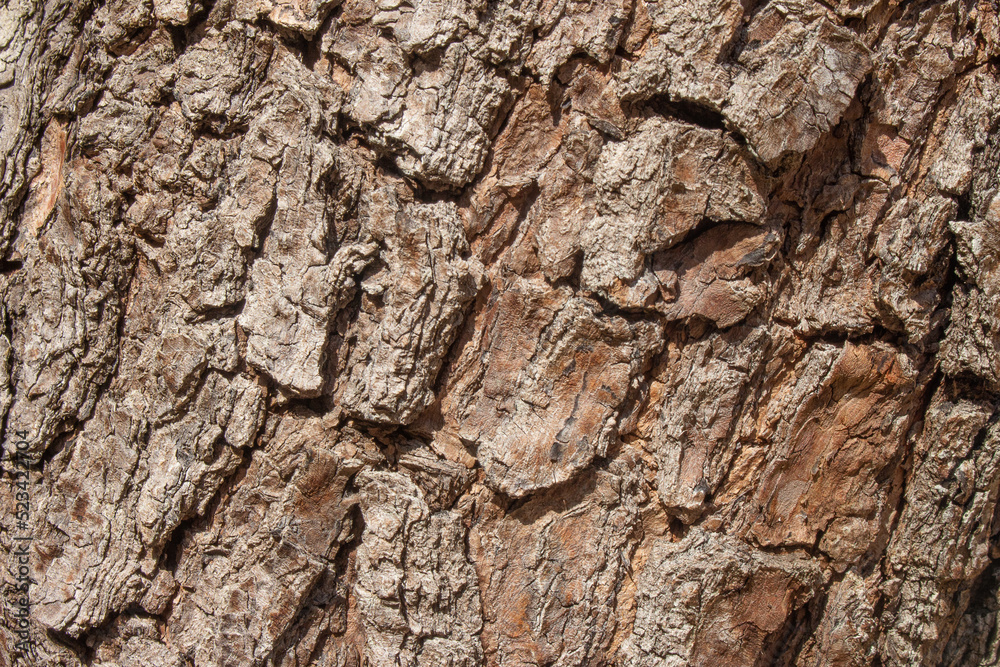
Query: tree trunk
x=500 y=332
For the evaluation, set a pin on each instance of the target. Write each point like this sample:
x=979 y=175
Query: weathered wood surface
x=503 y=332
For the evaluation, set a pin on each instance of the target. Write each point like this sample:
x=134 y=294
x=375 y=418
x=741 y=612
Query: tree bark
x=500 y=332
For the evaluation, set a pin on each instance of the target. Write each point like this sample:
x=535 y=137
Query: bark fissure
x=510 y=333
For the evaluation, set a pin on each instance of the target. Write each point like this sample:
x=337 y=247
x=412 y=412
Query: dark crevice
x=328 y=596
x=609 y=308
x=941 y=317
x=971 y=387
x=59 y=443
x=678 y=529
x=567 y=494
x=698 y=115
x=894 y=19
x=528 y=198
x=519 y=87
x=383 y=435
x=311 y=53
x=979 y=621
x=964 y=201
x=979 y=441
x=178 y=38
x=784 y=645
x=839 y=337
x=385 y=162
x=462 y=338
x=169 y=553
x=752 y=394
x=905 y=462
x=573 y=279
x=10 y=266
x=855 y=24
x=791 y=549
x=79 y=646
x=625 y=56
x=687 y=111
x=308 y=53
x=733 y=48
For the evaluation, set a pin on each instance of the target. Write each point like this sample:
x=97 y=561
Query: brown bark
x=505 y=332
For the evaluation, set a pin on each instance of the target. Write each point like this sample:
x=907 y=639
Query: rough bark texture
x=502 y=332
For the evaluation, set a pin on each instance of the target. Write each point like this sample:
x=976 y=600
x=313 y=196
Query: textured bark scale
x=515 y=333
